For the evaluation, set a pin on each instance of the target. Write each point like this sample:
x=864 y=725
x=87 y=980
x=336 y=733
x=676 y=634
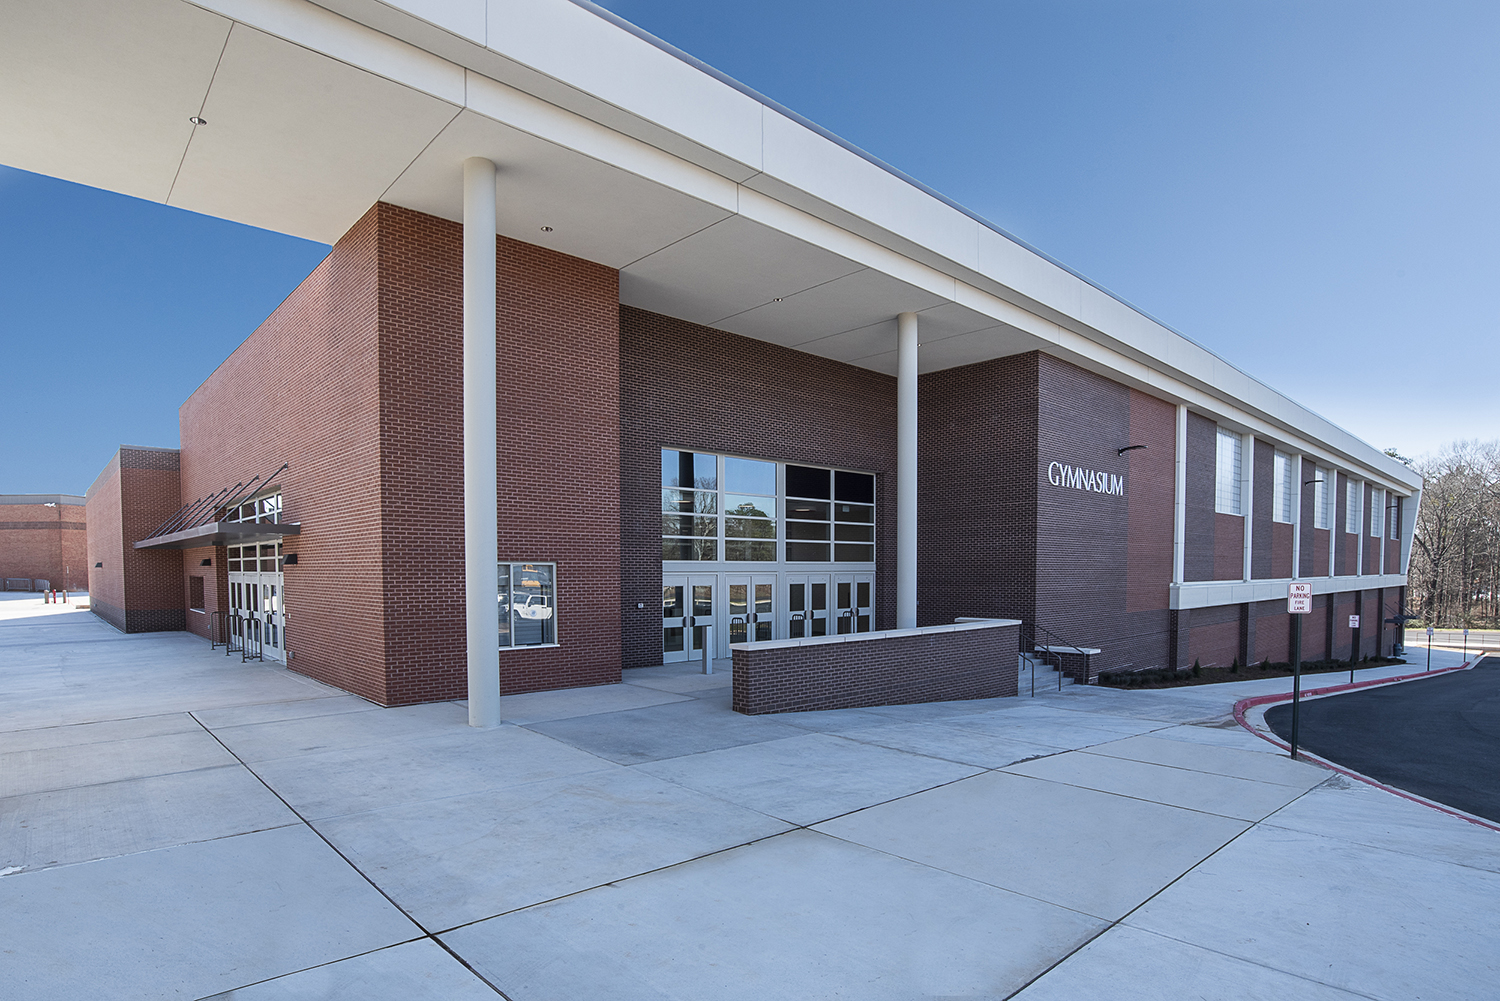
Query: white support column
x=906 y=471
x=1359 y=529
x=1297 y=494
x=1334 y=528
x=1247 y=493
x=481 y=478
x=1179 y=510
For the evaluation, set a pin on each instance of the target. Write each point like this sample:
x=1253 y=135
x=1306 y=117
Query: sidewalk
x=177 y=824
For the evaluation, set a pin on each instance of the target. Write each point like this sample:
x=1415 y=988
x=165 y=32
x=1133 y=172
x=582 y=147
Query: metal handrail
x=245 y=653
x=236 y=639
x=218 y=625
x=1059 y=641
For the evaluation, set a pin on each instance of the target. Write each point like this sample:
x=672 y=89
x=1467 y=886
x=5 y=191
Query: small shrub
x=1234 y=666
x=1196 y=669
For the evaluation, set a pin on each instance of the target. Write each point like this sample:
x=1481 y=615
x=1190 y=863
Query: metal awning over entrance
x=213 y=520
x=220 y=533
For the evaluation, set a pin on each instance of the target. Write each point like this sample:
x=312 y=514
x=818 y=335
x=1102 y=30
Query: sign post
x=1298 y=604
x=1354 y=645
x=1466 y=644
x=1429 y=648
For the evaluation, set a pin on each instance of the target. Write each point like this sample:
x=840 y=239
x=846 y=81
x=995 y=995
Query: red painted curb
x=1243 y=704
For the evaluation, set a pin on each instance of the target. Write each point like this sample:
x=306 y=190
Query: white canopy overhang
x=715 y=205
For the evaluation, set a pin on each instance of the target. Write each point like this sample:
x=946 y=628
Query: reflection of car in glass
x=534 y=607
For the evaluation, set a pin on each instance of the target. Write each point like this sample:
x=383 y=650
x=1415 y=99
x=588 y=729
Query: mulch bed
x=1198 y=675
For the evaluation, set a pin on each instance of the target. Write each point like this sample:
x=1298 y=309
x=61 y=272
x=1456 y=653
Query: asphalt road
x=1438 y=737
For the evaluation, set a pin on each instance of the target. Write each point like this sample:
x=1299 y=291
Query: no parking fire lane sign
x=1299 y=599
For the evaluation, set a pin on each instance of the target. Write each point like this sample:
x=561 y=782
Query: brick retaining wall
x=896 y=667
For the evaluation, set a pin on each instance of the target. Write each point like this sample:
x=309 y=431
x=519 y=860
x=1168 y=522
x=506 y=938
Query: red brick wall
x=1229 y=547
x=684 y=385
x=1199 y=551
x=1262 y=514
x=356 y=382
x=977 y=491
x=46 y=543
x=304 y=389
x=1282 y=536
x=930 y=667
x=558 y=372
x=1214 y=636
x=107 y=581
x=215 y=585
x=1271 y=638
x=137 y=590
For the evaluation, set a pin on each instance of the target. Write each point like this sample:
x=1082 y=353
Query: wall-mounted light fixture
x=1306 y=482
x=289 y=560
x=1128 y=448
x=206 y=563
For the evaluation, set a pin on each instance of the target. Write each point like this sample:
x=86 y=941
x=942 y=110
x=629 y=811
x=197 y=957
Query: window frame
x=556 y=615
x=1229 y=497
x=1282 y=495
x=781 y=520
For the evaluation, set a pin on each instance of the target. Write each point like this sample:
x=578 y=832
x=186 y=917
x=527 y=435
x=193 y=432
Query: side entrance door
x=752 y=607
x=806 y=605
x=687 y=606
x=853 y=602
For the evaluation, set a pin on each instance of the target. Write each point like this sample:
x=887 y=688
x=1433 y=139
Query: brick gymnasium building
x=658 y=363
x=43 y=542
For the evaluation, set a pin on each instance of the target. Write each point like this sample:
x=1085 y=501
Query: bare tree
x=1455 y=564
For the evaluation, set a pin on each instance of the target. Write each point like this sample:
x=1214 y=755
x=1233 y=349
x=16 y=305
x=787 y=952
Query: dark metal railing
x=218 y=630
x=252 y=647
x=1057 y=646
x=207 y=508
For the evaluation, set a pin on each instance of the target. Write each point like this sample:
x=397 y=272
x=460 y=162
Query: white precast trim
x=1179 y=504
x=906 y=471
x=348 y=41
x=1206 y=594
x=481 y=479
x=1247 y=496
x=1412 y=505
x=1298 y=487
x=1362 y=490
x=520 y=110
x=1334 y=526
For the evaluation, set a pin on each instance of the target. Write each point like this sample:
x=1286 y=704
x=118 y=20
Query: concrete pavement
x=177 y=824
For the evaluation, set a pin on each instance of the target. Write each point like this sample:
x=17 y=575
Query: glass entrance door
x=752 y=607
x=806 y=605
x=255 y=596
x=852 y=602
x=687 y=607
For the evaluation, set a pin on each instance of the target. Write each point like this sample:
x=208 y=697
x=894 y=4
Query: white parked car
x=535 y=607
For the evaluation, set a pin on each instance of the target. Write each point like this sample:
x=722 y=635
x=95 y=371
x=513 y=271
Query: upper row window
x=267 y=508
x=1227 y=470
x=1354 y=512
x=1282 y=493
x=711 y=501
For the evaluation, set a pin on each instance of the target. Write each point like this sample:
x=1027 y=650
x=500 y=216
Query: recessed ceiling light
x=198 y=121
x=546 y=229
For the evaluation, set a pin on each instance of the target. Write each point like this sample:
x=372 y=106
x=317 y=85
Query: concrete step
x=1046 y=678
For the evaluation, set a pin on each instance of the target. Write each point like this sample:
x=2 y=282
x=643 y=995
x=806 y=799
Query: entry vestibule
x=759 y=606
x=257 y=603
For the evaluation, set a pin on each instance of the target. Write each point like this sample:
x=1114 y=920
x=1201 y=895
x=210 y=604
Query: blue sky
x=1308 y=189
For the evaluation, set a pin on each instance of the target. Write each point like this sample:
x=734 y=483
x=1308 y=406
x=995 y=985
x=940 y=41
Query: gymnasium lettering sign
x=1091 y=480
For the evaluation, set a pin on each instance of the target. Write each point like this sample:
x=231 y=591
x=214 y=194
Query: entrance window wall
x=756 y=550
x=724 y=508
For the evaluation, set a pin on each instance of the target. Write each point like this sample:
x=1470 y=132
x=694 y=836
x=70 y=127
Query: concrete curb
x=1243 y=705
